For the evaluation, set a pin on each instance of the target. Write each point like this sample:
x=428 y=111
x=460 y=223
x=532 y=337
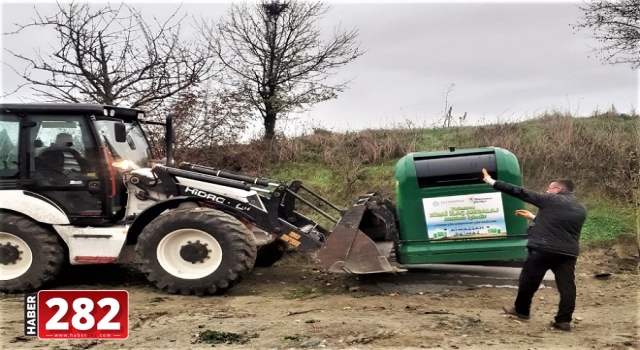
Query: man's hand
x=487 y=178
x=526 y=214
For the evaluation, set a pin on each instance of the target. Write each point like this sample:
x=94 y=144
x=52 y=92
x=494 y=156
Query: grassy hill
x=600 y=153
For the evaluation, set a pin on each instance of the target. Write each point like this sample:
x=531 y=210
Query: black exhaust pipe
x=170 y=139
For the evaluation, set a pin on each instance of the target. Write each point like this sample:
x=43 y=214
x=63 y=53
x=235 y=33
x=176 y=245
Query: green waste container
x=447 y=213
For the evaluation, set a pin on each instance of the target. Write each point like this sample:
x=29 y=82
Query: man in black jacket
x=553 y=244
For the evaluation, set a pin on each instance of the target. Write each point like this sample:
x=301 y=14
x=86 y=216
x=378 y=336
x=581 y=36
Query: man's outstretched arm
x=536 y=198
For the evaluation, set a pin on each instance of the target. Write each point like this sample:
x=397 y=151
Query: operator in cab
x=62 y=158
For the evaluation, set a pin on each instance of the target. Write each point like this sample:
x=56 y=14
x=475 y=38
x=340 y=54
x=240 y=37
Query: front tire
x=30 y=254
x=195 y=251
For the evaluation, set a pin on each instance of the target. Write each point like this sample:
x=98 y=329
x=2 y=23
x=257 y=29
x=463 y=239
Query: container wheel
x=30 y=254
x=197 y=251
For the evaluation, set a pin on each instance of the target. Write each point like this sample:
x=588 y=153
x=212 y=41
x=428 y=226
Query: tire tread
x=242 y=244
x=52 y=254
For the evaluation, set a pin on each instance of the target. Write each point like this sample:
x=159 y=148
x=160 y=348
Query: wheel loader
x=79 y=184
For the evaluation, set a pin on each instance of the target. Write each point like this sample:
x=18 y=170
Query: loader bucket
x=350 y=250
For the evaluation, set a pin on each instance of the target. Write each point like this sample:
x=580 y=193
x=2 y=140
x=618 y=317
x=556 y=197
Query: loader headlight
x=123 y=164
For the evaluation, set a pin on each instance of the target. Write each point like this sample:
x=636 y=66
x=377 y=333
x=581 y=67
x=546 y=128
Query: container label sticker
x=465 y=216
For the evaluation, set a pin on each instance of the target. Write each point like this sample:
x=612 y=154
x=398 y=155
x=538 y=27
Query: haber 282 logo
x=77 y=314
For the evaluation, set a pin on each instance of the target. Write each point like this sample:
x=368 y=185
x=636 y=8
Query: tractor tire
x=30 y=254
x=270 y=253
x=197 y=251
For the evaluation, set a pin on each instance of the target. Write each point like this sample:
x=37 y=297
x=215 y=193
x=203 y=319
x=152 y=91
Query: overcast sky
x=508 y=60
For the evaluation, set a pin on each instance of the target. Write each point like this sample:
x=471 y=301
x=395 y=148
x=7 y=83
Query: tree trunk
x=270 y=124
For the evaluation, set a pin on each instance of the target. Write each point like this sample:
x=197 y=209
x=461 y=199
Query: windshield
x=134 y=153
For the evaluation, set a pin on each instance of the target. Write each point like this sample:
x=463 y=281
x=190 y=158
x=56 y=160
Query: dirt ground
x=293 y=305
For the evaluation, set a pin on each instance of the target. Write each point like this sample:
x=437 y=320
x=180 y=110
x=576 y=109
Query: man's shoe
x=563 y=326
x=512 y=311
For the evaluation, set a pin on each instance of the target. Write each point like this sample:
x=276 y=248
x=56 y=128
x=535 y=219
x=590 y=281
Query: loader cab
x=72 y=156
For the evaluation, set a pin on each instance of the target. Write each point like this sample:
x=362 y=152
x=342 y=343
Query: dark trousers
x=536 y=265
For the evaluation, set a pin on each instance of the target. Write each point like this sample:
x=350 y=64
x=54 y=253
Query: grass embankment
x=600 y=153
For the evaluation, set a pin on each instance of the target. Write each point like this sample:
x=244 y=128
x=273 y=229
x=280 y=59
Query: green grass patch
x=309 y=173
x=605 y=221
x=313 y=292
x=303 y=292
x=434 y=139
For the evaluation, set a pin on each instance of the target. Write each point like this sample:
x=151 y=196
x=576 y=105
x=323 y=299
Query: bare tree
x=112 y=56
x=276 y=55
x=616 y=25
x=205 y=117
x=447 y=107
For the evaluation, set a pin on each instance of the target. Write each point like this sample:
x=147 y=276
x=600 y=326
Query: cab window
x=61 y=145
x=9 y=136
x=65 y=162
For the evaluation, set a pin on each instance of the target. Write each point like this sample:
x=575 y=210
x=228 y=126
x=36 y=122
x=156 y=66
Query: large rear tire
x=197 y=251
x=30 y=254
